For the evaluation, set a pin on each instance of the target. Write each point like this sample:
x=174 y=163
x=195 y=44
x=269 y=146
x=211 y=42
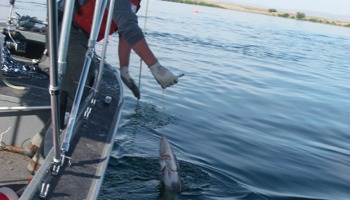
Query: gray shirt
x=125 y=18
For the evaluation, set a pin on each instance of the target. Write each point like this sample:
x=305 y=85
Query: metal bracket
x=55 y=168
x=69 y=160
x=87 y=112
x=93 y=102
x=44 y=190
x=54 y=90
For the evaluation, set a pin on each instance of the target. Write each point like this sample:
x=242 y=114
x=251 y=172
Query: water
x=263 y=111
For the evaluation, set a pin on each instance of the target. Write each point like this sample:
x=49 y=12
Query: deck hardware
x=87 y=112
x=69 y=159
x=44 y=190
x=55 y=168
x=54 y=90
x=35 y=61
x=93 y=101
x=108 y=99
x=64 y=158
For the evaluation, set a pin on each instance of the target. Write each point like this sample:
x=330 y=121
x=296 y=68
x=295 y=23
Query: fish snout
x=171 y=179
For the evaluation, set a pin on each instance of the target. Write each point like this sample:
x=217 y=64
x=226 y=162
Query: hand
x=163 y=76
x=129 y=82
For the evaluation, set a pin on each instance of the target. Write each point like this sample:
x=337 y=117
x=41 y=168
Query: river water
x=263 y=111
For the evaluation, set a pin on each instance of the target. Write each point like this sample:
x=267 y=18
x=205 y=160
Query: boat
x=77 y=153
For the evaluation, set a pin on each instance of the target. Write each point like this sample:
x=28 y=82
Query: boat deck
x=13 y=170
x=19 y=123
x=90 y=149
x=93 y=135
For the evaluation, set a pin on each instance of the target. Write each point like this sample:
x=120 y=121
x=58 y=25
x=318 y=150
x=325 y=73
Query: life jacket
x=83 y=17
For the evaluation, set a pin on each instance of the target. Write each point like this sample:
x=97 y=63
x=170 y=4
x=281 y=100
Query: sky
x=336 y=9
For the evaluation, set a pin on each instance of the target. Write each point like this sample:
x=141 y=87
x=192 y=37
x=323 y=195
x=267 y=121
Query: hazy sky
x=332 y=7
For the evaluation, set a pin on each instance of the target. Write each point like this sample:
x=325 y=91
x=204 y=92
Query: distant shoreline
x=271 y=11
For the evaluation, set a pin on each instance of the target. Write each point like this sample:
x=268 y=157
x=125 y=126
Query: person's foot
x=163 y=76
x=34 y=165
x=129 y=82
x=31 y=149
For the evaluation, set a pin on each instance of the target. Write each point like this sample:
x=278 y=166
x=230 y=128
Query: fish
x=169 y=166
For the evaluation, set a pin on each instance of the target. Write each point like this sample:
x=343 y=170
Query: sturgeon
x=169 y=167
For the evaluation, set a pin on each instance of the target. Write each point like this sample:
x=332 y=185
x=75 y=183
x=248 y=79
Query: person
x=131 y=37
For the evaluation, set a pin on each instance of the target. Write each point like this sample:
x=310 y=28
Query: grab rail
x=54 y=87
x=23 y=108
x=100 y=7
x=104 y=46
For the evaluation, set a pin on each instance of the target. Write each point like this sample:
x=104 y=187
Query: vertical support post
x=96 y=24
x=54 y=87
x=12 y=7
x=64 y=37
x=105 y=43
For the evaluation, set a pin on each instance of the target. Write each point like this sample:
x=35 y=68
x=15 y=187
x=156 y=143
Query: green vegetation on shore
x=271 y=11
x=302 y=16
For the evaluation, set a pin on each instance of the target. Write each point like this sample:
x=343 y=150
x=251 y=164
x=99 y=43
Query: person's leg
x=77 y=47
x=70 y=79
x=35 y=149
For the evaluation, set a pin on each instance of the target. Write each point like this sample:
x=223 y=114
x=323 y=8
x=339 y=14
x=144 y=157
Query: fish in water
x=169 y=167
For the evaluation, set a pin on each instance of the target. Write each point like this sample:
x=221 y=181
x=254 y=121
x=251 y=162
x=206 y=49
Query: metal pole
x=64 y=37
x=24 y=108
x=104 y=47
x=54 y=88
x=96 y=24
x=12 y=6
